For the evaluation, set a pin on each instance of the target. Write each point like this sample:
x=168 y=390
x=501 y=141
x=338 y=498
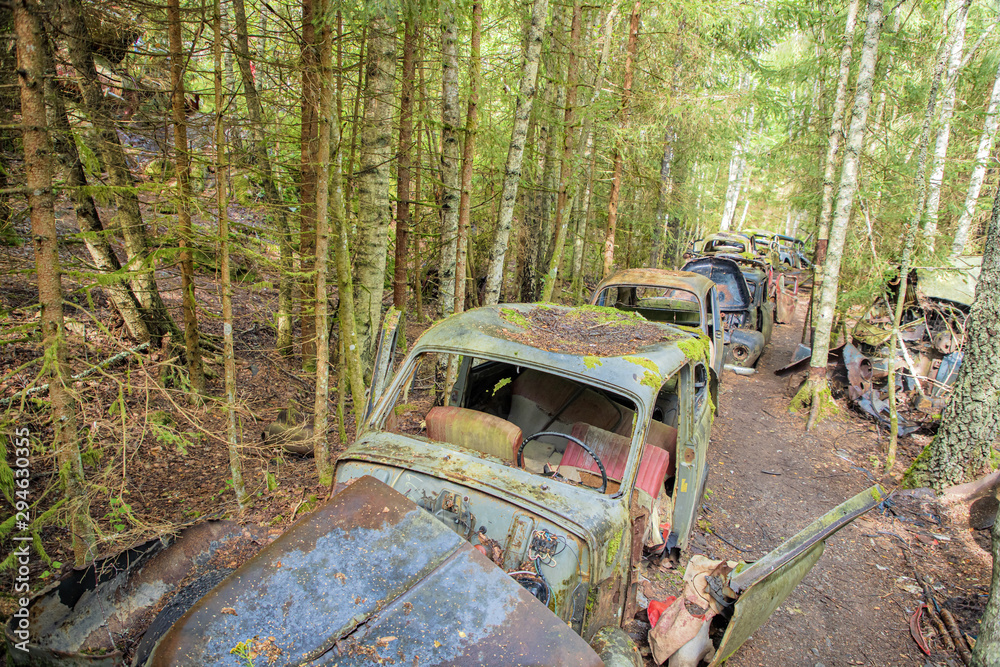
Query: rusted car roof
x=686 y=280
x=492 y=332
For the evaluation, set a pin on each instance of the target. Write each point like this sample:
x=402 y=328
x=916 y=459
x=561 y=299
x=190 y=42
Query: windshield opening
x=495 y=407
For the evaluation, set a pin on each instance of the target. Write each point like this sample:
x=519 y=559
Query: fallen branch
x=79 y=376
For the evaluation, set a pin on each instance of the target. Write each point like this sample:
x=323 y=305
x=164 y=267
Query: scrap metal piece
x=368 y=577
x=75 y=620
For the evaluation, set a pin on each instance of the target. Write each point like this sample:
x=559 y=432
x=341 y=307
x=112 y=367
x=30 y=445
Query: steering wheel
x=581 y=443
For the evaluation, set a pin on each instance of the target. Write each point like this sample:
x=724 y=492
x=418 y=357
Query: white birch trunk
x=374 y=182
x=944 y=126
x=736 y=163
x=848 y=188
x=978 y=170
x=833 y=143
x=515 y=153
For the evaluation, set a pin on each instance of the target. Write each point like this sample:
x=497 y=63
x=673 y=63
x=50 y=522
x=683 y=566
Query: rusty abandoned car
x=504 y=525
x=747 y=315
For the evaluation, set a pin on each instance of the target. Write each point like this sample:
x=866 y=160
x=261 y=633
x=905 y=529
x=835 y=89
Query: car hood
x=370 y=576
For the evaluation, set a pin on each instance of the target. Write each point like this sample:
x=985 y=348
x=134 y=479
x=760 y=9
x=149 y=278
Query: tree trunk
x=987 y=651
x=196 y=372
x=373 y=185
x=226 y=284
x=321 y=413
x=272 y=196
x=589 y=157
x=736 y=166
x=664 y=239
x=616 y=179
x=564 y=203
x=468 y=155
x=515 y=152
x=910 y=235
x=129 y=218
x=450 y=149
x=832 y=148
x=307 y=187
x=403 y=163
x=944 y=125
x=94 y=235
x=962 y=448
x=816 y=391
x=978 y=170
x=38 y=177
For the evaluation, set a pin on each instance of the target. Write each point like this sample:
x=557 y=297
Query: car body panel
x=345 y=586
x=761 y=587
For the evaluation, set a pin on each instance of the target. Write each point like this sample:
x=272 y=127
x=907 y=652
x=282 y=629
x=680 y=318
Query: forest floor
x=156 y=464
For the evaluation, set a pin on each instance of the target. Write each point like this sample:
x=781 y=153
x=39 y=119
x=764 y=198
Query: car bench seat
x=545 y=402
x=656 y=465
x=474 y=430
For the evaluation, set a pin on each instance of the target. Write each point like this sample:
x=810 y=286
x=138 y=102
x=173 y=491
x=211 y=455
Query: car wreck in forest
x=492 y=514
x=747 y=313
x=929 y=346
x=682 y=298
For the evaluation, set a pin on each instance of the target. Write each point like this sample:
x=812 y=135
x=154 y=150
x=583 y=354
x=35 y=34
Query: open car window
x=496 y=406
x=656 y=303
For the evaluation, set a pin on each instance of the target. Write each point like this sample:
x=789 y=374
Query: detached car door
x=761 y=587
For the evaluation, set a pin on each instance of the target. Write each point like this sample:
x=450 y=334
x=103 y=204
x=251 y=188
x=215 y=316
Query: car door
x=761 y=587
x=716 y=331
x=694 y=427
x=384 y=354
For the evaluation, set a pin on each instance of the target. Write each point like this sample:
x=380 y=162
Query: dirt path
x=770 y=479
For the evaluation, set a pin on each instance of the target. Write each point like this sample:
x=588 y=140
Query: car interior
x=550 y=425
x=657 y=304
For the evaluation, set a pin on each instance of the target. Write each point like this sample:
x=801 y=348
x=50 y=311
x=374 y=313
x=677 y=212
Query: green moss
x=651 y=376
x=160 y=417
x=503 y=382
x=404 y=408
x=695 y=349
x=613 y=545
x=591 y=362
x=612 y=316
x=916 y=475
x=515 y=317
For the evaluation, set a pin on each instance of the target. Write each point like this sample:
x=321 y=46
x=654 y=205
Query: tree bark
x=616 y=178
x=564 y=203
x=41 y=201
x=816 y=391
x=196 y=371
x=962 y=448
x=226 y=284
x=978 y=170
x=987 y=651
x=944 y=125
x=403 y=163
x=515 y=152
x=468 y=156
x=373 y=185
x=832 y=149
x=129 y=218
x=272 y=196
x=87 y=217
x=308 y=138
x=450 y=149
x=321 y=412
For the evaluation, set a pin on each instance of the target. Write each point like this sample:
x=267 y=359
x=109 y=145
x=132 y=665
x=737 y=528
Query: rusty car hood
x=371 y=577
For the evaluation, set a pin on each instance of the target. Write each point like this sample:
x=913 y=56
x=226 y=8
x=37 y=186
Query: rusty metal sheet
x=75 y=620
x=686 y=280
x=371 y=577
